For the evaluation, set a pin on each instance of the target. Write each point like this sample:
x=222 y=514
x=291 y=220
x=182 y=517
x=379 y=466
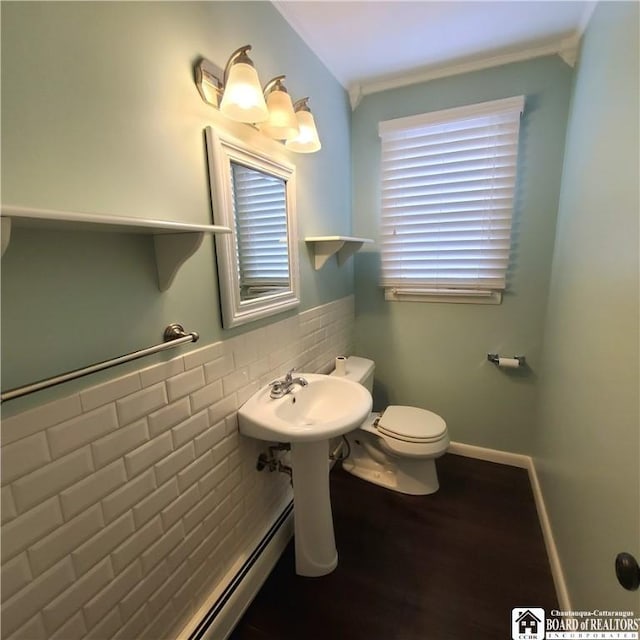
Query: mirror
x=254 y=195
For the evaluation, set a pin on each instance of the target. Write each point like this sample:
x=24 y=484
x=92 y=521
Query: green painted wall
x=100 y=113
x=588 y=439
x=433 y=355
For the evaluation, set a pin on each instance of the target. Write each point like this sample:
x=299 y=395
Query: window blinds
x=261 y=228
x=448 y=181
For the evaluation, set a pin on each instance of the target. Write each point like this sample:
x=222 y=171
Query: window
x=448 y=181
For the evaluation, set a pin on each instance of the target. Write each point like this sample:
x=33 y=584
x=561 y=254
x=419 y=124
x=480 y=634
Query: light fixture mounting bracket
x=209 y=82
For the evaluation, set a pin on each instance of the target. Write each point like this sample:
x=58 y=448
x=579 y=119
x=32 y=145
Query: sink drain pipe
x=270 y=459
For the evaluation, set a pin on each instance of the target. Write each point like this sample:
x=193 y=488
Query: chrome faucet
x=280 y=388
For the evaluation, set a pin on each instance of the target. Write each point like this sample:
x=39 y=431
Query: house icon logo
x=527 y=623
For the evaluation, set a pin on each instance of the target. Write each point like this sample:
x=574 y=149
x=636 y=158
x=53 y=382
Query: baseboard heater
x=211 y=621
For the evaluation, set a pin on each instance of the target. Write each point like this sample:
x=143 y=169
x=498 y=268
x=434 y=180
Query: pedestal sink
x=307 y=417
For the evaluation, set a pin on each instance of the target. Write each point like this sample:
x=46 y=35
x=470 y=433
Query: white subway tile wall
x=126 y=505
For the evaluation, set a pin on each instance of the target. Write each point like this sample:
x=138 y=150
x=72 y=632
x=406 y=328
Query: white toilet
x=398 y=447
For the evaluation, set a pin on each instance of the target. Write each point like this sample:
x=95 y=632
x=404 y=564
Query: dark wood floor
x=449 y=566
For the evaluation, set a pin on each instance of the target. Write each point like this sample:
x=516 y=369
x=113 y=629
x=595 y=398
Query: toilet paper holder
x=495 y=358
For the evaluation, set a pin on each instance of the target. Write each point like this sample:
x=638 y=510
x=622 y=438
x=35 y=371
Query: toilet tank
x=360 y=370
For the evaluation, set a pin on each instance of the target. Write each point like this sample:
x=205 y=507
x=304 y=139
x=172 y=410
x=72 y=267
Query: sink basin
x=327 y=407
x=308 y=417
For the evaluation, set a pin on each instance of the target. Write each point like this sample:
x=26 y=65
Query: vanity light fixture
x=307 y=140
x=283 y=122
x=242 y=99
x=237 y=93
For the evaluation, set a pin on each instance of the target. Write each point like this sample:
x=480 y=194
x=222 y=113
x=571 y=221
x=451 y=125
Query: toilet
x=397 y=448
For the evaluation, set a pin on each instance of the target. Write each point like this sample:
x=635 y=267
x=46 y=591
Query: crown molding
x=569 y=49
x=566 y=48
x=355 y=94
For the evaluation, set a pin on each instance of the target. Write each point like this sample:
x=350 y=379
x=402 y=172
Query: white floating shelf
x=342 y=246
x=174 y=242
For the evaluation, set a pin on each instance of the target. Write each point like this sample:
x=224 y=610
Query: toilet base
x=413 y=477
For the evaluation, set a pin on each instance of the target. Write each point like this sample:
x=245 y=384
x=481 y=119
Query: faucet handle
x=279 y=388
x=288 y=377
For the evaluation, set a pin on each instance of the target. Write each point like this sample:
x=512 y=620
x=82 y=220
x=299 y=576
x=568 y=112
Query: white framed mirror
x=253 y=193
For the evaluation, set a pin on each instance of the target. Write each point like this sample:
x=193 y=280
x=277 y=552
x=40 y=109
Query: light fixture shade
x=282 y=123
x=242 y=99
x=307 y=140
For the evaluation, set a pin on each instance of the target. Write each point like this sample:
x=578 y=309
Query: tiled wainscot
x=126 y=505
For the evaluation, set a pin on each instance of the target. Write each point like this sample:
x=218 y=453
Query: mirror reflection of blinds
x=448 y=181
x=261 y=228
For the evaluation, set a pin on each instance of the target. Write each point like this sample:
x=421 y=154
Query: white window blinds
x=448 y=180
x=261 y=228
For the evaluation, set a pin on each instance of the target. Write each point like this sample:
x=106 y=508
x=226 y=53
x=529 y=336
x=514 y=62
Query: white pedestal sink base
x=308 y=415
x=315 y=544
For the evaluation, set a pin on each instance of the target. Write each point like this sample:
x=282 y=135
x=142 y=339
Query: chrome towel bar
x=174 y=335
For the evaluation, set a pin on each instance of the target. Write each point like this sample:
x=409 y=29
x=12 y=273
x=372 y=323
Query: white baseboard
x=218 y=616
x=525 y=462
x=552 y=551
x=490 y=455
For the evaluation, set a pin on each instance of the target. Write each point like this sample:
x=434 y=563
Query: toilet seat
x=411 y=424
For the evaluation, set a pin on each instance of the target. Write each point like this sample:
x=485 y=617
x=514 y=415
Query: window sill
x=460 y=296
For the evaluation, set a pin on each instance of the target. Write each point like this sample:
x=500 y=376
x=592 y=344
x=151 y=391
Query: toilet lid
x=411 y=424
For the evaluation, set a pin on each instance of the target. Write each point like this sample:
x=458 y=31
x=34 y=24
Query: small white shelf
x=174 y=242
x=342 y=246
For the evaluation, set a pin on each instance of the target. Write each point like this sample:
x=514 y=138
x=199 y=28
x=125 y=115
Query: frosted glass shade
x=242 y=99
x=282 y=123
x=307 y=140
